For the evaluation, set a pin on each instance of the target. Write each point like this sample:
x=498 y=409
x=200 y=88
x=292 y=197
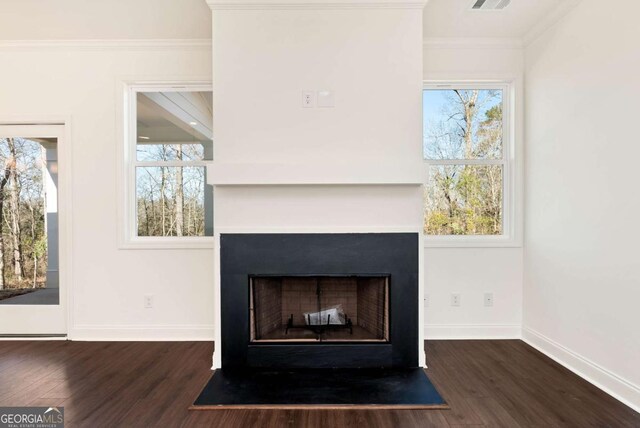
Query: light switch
x=325 y=98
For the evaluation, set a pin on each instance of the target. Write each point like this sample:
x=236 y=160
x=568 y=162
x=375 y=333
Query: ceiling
x=455 y=19
x=174 y=117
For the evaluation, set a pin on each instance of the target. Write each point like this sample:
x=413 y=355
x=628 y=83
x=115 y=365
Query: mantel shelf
x=243 y=174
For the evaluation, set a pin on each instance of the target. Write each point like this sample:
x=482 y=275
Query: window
x=168 y=144
x=467 y=152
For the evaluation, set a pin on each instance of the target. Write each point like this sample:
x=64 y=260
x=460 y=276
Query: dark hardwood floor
x=144 y=384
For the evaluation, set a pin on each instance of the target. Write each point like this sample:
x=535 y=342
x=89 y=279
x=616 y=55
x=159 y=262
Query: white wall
x=265 y=59
x=104 y=19
x=82 y=84
x=474 y=271
x=582 y=271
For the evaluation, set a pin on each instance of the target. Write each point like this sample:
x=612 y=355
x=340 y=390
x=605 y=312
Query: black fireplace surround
x=394 y=255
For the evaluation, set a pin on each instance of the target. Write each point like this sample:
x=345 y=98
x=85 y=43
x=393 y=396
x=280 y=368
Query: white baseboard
x=614 y=385
x=472 y=331
x=143 y=333
x=32 y=338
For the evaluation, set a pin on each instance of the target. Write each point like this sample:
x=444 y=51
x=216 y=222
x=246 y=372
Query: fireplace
x=319 y=300
x=319 y=308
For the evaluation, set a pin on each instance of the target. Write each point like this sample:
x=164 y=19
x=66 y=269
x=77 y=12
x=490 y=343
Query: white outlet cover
x=455 y=299
x=488 y=299
x=326 y=98
x=308 y=99
x=148 y=301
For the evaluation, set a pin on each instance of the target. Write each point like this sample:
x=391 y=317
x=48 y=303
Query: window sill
x=161 y=243
x=471 y=242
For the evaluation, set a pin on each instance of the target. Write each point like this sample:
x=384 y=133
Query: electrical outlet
x=148 y=301
x=308 y=99
x=455 y=299
x=426 y=300
x=488 y=299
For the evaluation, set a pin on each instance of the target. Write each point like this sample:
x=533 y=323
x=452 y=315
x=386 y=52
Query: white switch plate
x=308 y=99
x=426 y=300
x=148 y=301
x=488 y=299
x=326 y=98
x=455 y=299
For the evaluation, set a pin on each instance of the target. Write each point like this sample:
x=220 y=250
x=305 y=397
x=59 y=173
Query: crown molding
x=551 y=19
x=108 y=44
x=472 y=43
x=314 y=4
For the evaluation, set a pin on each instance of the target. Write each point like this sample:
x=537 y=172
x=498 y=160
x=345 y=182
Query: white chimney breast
x=281 y=168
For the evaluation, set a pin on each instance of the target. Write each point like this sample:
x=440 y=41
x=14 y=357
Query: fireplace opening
x=319 y=308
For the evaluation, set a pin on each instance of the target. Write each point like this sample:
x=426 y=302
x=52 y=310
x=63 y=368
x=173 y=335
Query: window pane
x=174 y=126
x=170 y=201
x=464 y=200
x=462 y=124
x=29 y=222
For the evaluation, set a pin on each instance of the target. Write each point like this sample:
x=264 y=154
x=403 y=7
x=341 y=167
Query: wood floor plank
x=450 y=382
x=507 y=385
x=147 y=384
x=493 y=413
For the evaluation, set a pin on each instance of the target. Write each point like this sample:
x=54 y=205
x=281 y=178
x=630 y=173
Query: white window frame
x=129 y=238
x=510 y=223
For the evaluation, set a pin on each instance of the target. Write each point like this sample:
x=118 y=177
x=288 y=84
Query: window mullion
x=170 y=163
x=465 y=162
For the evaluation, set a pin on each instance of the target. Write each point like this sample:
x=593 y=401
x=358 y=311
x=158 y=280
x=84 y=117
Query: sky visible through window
x=444 y=122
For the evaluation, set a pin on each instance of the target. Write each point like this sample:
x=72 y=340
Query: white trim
x=108 y=44
x=421 y=307
x=65 y=228
x=618 y=387
x=314 y=4
x=216 y=358
x=310 y=174
x=186 y=163
x=32 y=338
x=167 y=243
x=472 y=43
x=142 y=333
x=319 y=229
x=479 y=241
x=125 y=116
x=550 y=19
x=472 y=331
x=511 y=163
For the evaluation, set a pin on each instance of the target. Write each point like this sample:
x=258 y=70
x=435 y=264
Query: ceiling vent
x=490 y=4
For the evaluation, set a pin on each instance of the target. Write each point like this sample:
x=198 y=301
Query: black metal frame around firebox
x=245 y=255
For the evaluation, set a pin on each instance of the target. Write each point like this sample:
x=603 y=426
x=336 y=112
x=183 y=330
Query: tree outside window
x=464 y=148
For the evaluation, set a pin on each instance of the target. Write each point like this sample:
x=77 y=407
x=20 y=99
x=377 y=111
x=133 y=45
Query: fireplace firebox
x=291 y=301
x=319 y=308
